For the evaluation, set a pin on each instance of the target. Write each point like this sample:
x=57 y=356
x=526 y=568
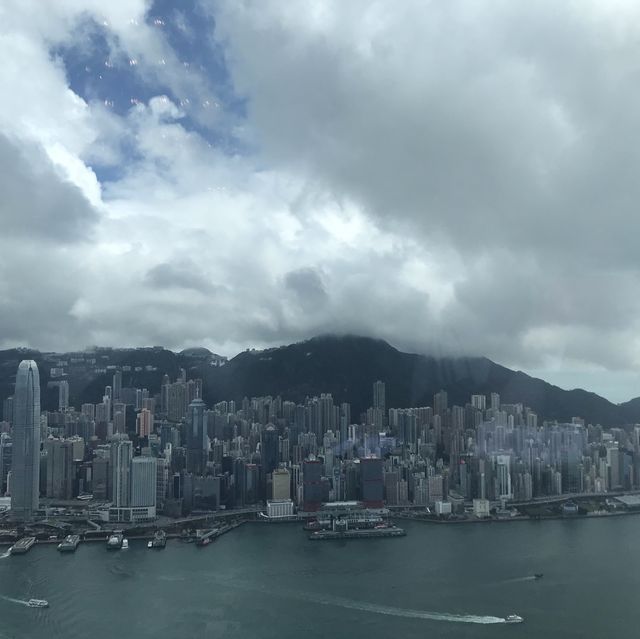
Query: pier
x=355 y=533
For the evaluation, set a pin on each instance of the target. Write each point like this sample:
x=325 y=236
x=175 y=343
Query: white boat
x=125 y=544
x=149 y=544
x=38 y=603
x=514 y=619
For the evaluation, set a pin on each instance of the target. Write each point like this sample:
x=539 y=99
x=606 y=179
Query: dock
x=358 y=533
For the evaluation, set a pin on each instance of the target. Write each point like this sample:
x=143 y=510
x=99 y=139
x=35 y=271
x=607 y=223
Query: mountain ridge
x=344 y=365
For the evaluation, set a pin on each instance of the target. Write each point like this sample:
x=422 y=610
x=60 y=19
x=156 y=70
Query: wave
x=518 y=579
x=22 y=602
x=5 y=555
x=401 y=612
x=351 y=604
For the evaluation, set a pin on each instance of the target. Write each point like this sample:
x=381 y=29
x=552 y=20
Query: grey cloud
x=307 y=287
x=37 y=203
x=183 y=274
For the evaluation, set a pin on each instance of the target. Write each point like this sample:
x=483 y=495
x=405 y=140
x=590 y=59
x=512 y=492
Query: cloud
x=182 y=274
x=37 y=201
x=452 y=177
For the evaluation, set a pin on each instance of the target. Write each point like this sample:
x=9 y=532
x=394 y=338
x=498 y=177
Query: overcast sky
x=455 y=177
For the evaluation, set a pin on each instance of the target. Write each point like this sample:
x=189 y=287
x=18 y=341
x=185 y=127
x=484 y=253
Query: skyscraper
x=197 y=445
x=269 y=449
x=117 y=386
x=25 y=465
x=379 y=395
x=121 y=455
x=143 y=482
x=63 y=395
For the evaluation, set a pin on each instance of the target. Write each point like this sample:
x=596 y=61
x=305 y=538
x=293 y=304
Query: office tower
x=5 y=461
x=144 y=478
x=60 y=468
x=101 y=481
x=495 y=401
x=117 y=386
x=440 y=403
x=121 y=455
x=479 y=402
x=311 y=484
x=197 y=445
x=269 y=449
x=145 y=422
x=7 y=410
x=119 y=418
x=89 y=411
x=63 y=395
x=372 y=482
x=281 y=484
x=162 y=481
x=379 y=396
x=25 y=473
x=177 y=404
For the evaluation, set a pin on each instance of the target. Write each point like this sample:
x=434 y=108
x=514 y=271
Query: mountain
x=345 y=366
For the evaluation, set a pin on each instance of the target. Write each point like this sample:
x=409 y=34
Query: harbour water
x=270 y=581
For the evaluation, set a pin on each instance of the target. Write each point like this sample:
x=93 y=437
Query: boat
x=69 y=544
x=115 y=540
x=514 y=619
x=159 y=540
x=149 y=544
x=22 y=545
x=538 y=575
x=203 y=542
x=125 y=544
x=38 y=603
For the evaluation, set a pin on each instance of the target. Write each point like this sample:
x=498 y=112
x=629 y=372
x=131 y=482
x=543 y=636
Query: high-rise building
x=197 y=444
x=63 y=395
x=25 y=466
x=143 y=482
x=281 y=484
x=117 y=386
x=145 y=422
x=121 y=455
x=440 y=403
x=372 y=481
x=380 y=396
x=119 y=418
x=7 y=410
x=312 y=484
x=60 y=468
x=270 y=449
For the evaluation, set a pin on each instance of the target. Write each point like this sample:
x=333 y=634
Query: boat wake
x=400 y=612
x=17 y=601
x=351 y=604
x=518 y=579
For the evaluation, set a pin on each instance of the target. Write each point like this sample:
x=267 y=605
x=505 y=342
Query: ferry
x=115 y=540
x=22 y=546
x=514 y=619
x=38 y=603
x=69 y=544
x=159 y=540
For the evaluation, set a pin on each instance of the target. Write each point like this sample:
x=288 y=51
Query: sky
x=458 y=178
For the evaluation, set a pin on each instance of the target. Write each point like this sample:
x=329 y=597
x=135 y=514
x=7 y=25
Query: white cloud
x=454 y=177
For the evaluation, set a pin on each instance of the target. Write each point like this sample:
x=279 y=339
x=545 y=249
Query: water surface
x=270 y=581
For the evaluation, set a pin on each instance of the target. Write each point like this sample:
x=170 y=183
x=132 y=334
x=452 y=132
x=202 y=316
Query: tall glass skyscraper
x=25 y=464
